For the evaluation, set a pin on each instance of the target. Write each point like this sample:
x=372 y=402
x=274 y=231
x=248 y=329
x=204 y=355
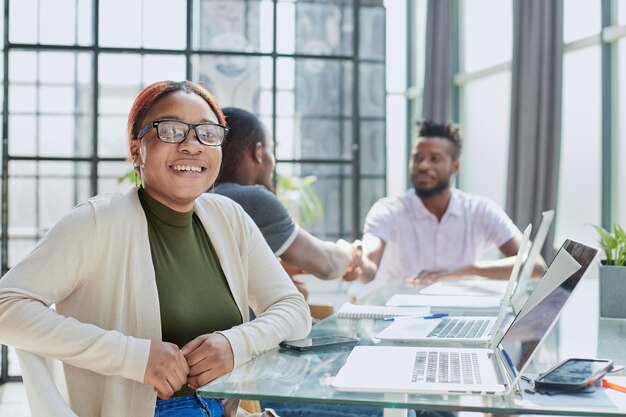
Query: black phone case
x=345 y=342
x=592 y=379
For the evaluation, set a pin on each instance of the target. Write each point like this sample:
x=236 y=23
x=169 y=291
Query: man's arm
x=325 y=260
x=373 y=249
x=501 y=268
x=498 y=269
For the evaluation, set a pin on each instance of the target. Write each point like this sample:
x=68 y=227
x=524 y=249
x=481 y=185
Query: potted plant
x=298 y=196
x=613 y=272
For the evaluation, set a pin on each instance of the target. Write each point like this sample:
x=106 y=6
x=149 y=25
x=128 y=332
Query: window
x=619 y=149
x=485 y=93
x=580 y=19
x=487 y=37
x=485 y=116
x=581 y=145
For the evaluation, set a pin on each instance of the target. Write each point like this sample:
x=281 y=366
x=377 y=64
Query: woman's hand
x=167 y=369
x=208 y=356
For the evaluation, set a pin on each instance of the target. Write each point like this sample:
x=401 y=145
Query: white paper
x=355 y=311
x=419 y=300
x=467 y=286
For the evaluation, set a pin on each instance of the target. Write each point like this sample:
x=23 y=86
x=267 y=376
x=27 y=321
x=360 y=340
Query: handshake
x=355 y=267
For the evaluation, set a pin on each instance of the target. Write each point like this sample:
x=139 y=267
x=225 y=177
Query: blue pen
x=421 y=316
x=509 y=361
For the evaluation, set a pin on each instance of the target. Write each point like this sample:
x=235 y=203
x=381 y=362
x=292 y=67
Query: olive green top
x=194 y=296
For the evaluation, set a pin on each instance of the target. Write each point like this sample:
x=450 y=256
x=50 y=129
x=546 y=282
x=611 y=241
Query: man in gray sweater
x=247 y=177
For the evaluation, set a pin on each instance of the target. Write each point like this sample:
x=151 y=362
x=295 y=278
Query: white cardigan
x=95 y=265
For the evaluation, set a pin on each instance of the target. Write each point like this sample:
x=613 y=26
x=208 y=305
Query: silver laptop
x=520 y=293
x=471 y=329
x=493 y=370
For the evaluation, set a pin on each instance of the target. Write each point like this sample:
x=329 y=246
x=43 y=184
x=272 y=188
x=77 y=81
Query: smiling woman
x=153 y=287
x=160 y=124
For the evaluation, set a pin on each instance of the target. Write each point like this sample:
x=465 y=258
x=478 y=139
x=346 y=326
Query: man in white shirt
x=436 y=231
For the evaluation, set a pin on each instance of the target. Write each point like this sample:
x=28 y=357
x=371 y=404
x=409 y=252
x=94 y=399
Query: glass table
x=280 y=375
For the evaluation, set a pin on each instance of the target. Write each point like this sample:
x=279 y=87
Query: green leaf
x=606 y=238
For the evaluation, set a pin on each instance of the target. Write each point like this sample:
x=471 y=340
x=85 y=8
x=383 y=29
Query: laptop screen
x=542 y=308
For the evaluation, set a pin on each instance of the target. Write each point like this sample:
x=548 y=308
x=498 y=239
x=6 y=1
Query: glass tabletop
x=281 y=375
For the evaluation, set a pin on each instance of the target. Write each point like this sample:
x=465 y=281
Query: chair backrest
x=321 y=311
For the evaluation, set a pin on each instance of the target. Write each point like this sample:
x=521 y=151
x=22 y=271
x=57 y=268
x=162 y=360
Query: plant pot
x=612 y=291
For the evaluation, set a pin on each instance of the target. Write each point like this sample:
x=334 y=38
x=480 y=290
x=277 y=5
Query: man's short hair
x=245 y=130
x=447 y=130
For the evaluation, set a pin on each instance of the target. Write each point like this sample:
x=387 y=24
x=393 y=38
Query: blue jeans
x=189 y=406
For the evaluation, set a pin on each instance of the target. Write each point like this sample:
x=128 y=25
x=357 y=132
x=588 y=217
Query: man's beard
x=439 y=187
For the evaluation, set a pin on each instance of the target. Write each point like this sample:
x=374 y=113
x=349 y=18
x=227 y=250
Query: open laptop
x=493 y=370
x=520 y=293
x=477 y=329
x=466 y=329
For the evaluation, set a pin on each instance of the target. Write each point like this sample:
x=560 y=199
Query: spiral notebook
x=354 y=311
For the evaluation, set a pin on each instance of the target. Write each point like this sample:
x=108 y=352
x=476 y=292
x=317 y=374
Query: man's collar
x=454 y=207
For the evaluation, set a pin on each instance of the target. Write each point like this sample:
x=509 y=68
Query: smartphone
x=574 y=373
x=303 y=345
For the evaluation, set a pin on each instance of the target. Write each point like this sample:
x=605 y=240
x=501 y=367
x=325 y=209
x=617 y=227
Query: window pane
x=118 y=89
x=396 y=47
x=50 y=104
x=333 y=188
x=163 y=67
x=372 y=189
x=155 y=24
x=420 y=45
x=620 y=144
x=2 y=47
x=164 y=24
x=621 y=12
x=318 y=28
x=324 y=87
x=40 y=193
x=120 y=29
x=372 y=148
x=111 y=177
x=396 y=164
x=580 y=165
x=112 y=137
x=372 y=25
x=23 y=66
x=485 y=127
x=237 y=80
x=487 y=37
x=580 y=19
x=233 y=25
x=372 y=90
x=66 y=22
x=14 y=363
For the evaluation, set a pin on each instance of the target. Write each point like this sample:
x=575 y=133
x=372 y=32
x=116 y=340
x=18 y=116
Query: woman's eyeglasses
x=174 y=131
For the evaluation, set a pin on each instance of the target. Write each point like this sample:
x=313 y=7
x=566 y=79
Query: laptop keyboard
x=446 y=367
x=457 y=328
